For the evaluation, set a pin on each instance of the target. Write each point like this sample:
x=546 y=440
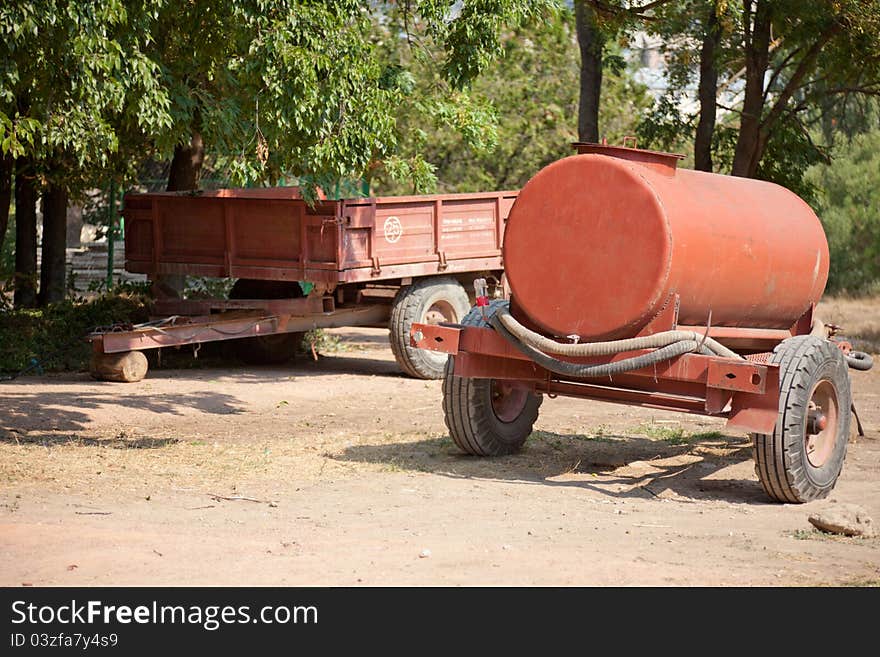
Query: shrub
x=55 y=336
x=849 y=206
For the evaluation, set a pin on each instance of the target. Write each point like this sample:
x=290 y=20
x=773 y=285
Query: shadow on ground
x=326 y=366
x=303 y=365
x=621 y=466
x=356 y=353
x=355 y=337
x=63 y=411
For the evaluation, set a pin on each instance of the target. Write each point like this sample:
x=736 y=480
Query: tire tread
x=779 y=456
x=468 y=413
x=406 y=311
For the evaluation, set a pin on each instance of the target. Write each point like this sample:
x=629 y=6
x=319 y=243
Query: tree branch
x=806 y=64
x=782 y=65
x=628 y=12
x=732 y=110
x=868 y=90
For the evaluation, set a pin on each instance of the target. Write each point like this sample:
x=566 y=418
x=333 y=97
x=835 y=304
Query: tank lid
x=664 y=162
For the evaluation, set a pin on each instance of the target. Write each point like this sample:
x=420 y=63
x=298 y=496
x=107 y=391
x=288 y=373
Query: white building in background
x=645 y=52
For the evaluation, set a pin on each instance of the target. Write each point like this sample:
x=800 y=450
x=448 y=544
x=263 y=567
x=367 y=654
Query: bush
x=849 y=206
x=55 y=336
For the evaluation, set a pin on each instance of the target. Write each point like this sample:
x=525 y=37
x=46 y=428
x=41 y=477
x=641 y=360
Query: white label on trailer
x=393 y=230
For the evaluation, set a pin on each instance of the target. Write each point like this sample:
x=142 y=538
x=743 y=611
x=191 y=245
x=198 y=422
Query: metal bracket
x=435 y=337
x=742 y=376
x=443 y=264
x=377 y=269
x=845 y=346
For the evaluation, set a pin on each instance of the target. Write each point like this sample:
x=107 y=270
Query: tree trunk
x=53 y=268
x=25 y=235
x=592 y=43
x=707 y=92
x=757 y=56
x=7 y=164
x=186 y=166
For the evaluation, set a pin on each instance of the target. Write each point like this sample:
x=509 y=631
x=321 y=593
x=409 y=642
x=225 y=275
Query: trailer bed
x=273 y=234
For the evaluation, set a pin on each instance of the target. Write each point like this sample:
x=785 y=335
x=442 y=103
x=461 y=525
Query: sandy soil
x=351 y=478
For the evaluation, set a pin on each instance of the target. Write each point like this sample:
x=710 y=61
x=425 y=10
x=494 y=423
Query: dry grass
x=134 y=464
x=859 y=317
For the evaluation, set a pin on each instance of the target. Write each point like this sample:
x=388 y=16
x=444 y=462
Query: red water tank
x=597 y=243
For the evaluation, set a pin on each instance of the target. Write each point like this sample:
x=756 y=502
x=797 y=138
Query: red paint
x=273 y=234
x=596 y=244
x=692 y=383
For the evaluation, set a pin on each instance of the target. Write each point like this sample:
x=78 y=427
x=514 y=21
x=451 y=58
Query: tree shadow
x=64 y=410
x=348 y=358
x=301 y=366
x=619 y=466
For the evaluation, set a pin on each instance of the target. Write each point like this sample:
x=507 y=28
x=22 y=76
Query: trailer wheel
x=801 y=460
x=487 y=417
x=274 y=349
x=429 y=301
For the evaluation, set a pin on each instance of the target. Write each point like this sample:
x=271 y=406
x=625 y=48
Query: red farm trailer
x=634 y=282
x=381 y=262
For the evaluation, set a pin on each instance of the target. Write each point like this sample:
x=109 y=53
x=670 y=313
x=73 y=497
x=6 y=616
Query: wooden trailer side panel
x=423 y=235
x=276 y=236
x=230 y=236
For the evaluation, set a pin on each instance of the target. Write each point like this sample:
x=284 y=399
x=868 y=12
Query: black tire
x=799 y=462
x=469 y=409
x=427 y=301
x=274 y=349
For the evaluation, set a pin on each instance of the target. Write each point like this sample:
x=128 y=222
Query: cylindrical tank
x=597 y=243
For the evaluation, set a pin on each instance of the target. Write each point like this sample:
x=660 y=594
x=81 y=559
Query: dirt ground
x=341 y=472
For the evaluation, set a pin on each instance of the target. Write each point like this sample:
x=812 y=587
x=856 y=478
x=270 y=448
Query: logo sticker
x=393 y=230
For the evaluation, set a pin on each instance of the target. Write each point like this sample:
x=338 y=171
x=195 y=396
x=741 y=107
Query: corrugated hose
x=666 y=345
x=588 y=349
x=859 y=360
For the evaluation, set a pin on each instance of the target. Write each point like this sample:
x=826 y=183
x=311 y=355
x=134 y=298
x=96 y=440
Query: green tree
x=298 y=88
x=268 y=88
x=531 y=96
x=600 y=25
x=778 y=69
x=72 y=75
x=698 y=49
x=847 y=201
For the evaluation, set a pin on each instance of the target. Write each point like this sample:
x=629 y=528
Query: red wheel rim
x=820 y=432
x=508 y=400
x=440 y=311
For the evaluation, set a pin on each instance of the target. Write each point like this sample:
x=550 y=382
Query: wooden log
x=125 y=367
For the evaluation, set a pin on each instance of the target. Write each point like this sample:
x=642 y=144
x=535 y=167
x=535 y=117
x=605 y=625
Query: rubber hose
x=587 y=349
x=859 y=360
x=593 y=371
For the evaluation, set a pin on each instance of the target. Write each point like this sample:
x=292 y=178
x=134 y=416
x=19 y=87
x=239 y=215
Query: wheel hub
x=440 y=311
x=816 y=422
x=820 y=435
x=508 y=400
